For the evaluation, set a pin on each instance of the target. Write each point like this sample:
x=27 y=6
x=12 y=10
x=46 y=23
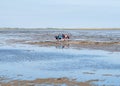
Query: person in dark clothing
x=62 y=36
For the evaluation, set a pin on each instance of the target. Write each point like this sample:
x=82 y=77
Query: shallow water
x=48 y=62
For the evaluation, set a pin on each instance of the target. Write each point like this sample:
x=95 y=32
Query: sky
x=60 y=13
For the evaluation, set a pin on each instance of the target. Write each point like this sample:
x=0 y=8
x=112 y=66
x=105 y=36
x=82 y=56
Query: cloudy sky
x=60 y=13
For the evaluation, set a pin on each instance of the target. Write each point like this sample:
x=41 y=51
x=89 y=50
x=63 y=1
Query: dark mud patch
x=117 y=75
x=90 y=73
x=94 y=80
x=107 y=75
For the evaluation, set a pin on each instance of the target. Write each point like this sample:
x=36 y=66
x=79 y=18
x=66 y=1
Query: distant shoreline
x=59 y=28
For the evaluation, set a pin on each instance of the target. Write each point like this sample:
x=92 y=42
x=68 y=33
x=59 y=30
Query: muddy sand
x=108 y=46
x=47 y=82
x=108 y=40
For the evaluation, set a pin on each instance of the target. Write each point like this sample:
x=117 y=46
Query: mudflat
x=108 y=40
x=36 y=58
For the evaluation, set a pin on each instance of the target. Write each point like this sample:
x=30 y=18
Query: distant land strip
x=59 y=28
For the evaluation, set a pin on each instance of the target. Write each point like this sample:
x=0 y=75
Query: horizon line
x=58 y=28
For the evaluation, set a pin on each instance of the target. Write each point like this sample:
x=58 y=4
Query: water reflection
x=62 y=46
x=56 y=54
x=66 y=59
x=51 y=62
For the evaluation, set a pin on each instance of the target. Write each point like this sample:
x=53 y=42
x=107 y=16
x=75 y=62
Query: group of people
x=62 y=37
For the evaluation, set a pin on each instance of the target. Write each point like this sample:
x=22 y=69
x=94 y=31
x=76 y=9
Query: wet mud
x=46 y=82
x=108 y=40
x=35 y=58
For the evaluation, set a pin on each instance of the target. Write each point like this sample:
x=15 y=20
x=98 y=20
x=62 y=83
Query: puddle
x=25 y=63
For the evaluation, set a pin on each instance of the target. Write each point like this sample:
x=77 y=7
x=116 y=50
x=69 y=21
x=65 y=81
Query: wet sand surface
x=35 y=58
x=92 y=39
x=47 y=82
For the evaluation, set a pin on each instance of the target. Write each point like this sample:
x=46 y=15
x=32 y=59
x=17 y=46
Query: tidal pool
x=48 y=62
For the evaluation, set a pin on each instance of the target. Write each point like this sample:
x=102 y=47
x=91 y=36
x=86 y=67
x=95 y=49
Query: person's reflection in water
x=62 y=46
